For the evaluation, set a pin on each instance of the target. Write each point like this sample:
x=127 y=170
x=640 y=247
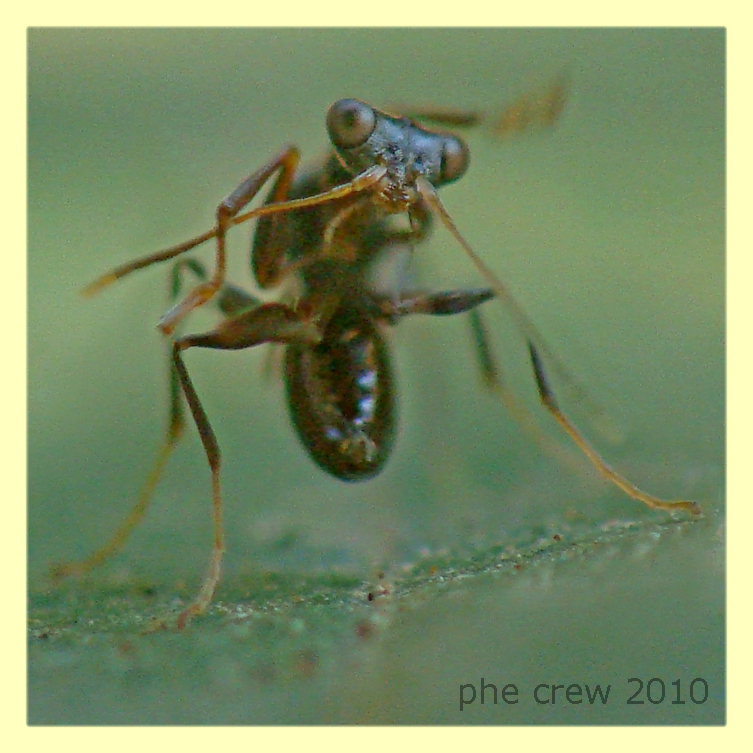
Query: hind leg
x=231 y=301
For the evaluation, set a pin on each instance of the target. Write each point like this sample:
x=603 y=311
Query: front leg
x=228 y=215
x=228 y=209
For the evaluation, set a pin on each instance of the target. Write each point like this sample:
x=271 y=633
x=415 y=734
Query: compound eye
x=350 y=123
x=455 y=159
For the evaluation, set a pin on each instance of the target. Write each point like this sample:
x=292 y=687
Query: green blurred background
x=610 y=230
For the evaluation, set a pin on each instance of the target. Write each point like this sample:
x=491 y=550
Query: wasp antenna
x=101 y=282
x=576 y=392
x=361 y=182
x=146 y=261
x=535 y=344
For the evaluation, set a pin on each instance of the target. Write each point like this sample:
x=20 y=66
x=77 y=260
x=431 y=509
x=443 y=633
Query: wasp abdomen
x=341 y=396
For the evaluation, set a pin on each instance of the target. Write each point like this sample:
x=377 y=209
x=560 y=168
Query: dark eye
x=350 y=123
x=455 y=159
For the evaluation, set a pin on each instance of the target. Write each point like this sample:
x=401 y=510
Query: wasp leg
x=231 y=300
x=445 y=303
x=271 y=322
x=549 y=402
x=381 y=235
x=228 y=215
x=273 y=237
x=228 y=208
x=420 y=226
x=491 y=374
x=118 y=539
x=175 y=427
x=458 y=302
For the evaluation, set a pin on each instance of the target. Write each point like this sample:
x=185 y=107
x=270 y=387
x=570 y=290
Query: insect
x=324 y=230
